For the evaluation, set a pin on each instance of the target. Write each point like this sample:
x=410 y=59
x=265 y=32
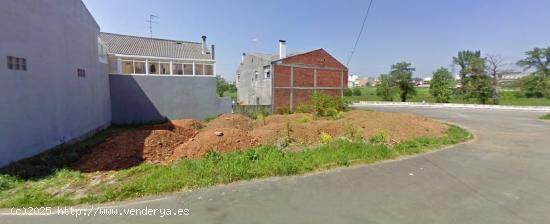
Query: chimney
x=212 y=50
x=242 y=58
x=282 y=49
x=204 y=48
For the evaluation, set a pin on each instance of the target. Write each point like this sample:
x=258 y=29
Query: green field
x=508 y=97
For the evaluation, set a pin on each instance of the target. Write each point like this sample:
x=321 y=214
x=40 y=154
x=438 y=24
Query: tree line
x=478 y=78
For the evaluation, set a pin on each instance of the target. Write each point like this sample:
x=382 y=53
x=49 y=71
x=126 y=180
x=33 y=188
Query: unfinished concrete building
x=284 y=81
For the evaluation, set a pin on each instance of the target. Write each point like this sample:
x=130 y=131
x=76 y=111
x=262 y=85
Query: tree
x=441 y=85
x=401 y=74
x=221 y=85
x=539 y=59
x=385 y=88
x=494 y=69
x=538 y=83
x=473 y=76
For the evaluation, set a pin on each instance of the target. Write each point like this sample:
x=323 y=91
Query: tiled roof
x=143 y=46
x=272 y=57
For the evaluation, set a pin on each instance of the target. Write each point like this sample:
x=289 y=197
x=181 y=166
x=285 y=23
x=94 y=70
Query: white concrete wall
x=248 y=87
x=49 y=104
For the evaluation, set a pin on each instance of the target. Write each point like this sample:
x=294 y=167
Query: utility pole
x=151 y=21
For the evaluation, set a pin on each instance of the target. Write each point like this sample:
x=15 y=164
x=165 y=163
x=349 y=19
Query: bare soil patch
x=180 y=139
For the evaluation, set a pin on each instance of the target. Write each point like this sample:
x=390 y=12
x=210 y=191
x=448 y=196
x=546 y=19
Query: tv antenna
x=151 y=21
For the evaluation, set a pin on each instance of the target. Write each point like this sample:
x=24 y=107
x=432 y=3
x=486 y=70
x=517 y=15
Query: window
x=127 y=67
x=267 y=72
x=154 y=67
x=15 y=63
x=178 y=69
x=208 y=69
x=256 y=75
x=139 y=67
x=199 y=69
x=81 y=72
x=165 y=68
x=257 y=100
x=188 y=69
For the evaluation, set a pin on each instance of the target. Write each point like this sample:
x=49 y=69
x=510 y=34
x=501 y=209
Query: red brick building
x=296 y=77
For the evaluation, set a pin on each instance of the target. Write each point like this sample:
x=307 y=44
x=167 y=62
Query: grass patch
x=511 y=97
x=545 y=117
x=214 y=168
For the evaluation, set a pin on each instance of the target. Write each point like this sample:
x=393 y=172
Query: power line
x=360 y=32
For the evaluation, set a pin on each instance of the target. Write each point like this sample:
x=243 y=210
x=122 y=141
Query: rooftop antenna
x=151 y=21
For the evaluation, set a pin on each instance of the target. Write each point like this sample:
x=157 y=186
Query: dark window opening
x=15 y=63
x=81 y=72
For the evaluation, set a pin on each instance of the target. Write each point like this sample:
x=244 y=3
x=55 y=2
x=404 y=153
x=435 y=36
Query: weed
x=352 y=133
x=325 y=138
x=210 y=118
x=378 y=137
x=545 y=117
x=306 y=119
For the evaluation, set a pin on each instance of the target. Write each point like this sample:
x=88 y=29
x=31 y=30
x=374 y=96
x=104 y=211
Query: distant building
x=509 y=76
x=352 y=81
x=362 y=81
x=285 y=81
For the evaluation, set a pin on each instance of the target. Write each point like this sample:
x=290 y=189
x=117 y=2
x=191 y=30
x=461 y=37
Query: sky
x=426 y=33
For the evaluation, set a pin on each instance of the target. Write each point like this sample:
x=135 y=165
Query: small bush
x=328 y=106
x=325 y=138
x=348 y=92
x=357 y=91
x=353 y=134
x=6 y=182
x=306 y=119
x=304 y=108
x=379 y=137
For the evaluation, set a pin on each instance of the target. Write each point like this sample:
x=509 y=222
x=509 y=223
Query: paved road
x=503 y=176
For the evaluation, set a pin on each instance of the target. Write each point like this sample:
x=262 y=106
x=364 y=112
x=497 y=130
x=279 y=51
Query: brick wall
x=295 y=78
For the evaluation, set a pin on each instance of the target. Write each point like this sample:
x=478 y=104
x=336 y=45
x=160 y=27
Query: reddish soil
x=179 y=139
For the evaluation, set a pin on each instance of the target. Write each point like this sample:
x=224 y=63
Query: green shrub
x=306 y=119
x=378 y=137
x=348 y=92
x=352 y=133
x=304 y=108
x=328 y=106
x=357 y=91
x=6 y=182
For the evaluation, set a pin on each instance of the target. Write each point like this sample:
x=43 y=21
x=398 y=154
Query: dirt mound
x=218 y=140
x=398 y=126
x=178 y=139
x=131 y=148
x=230 y=121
